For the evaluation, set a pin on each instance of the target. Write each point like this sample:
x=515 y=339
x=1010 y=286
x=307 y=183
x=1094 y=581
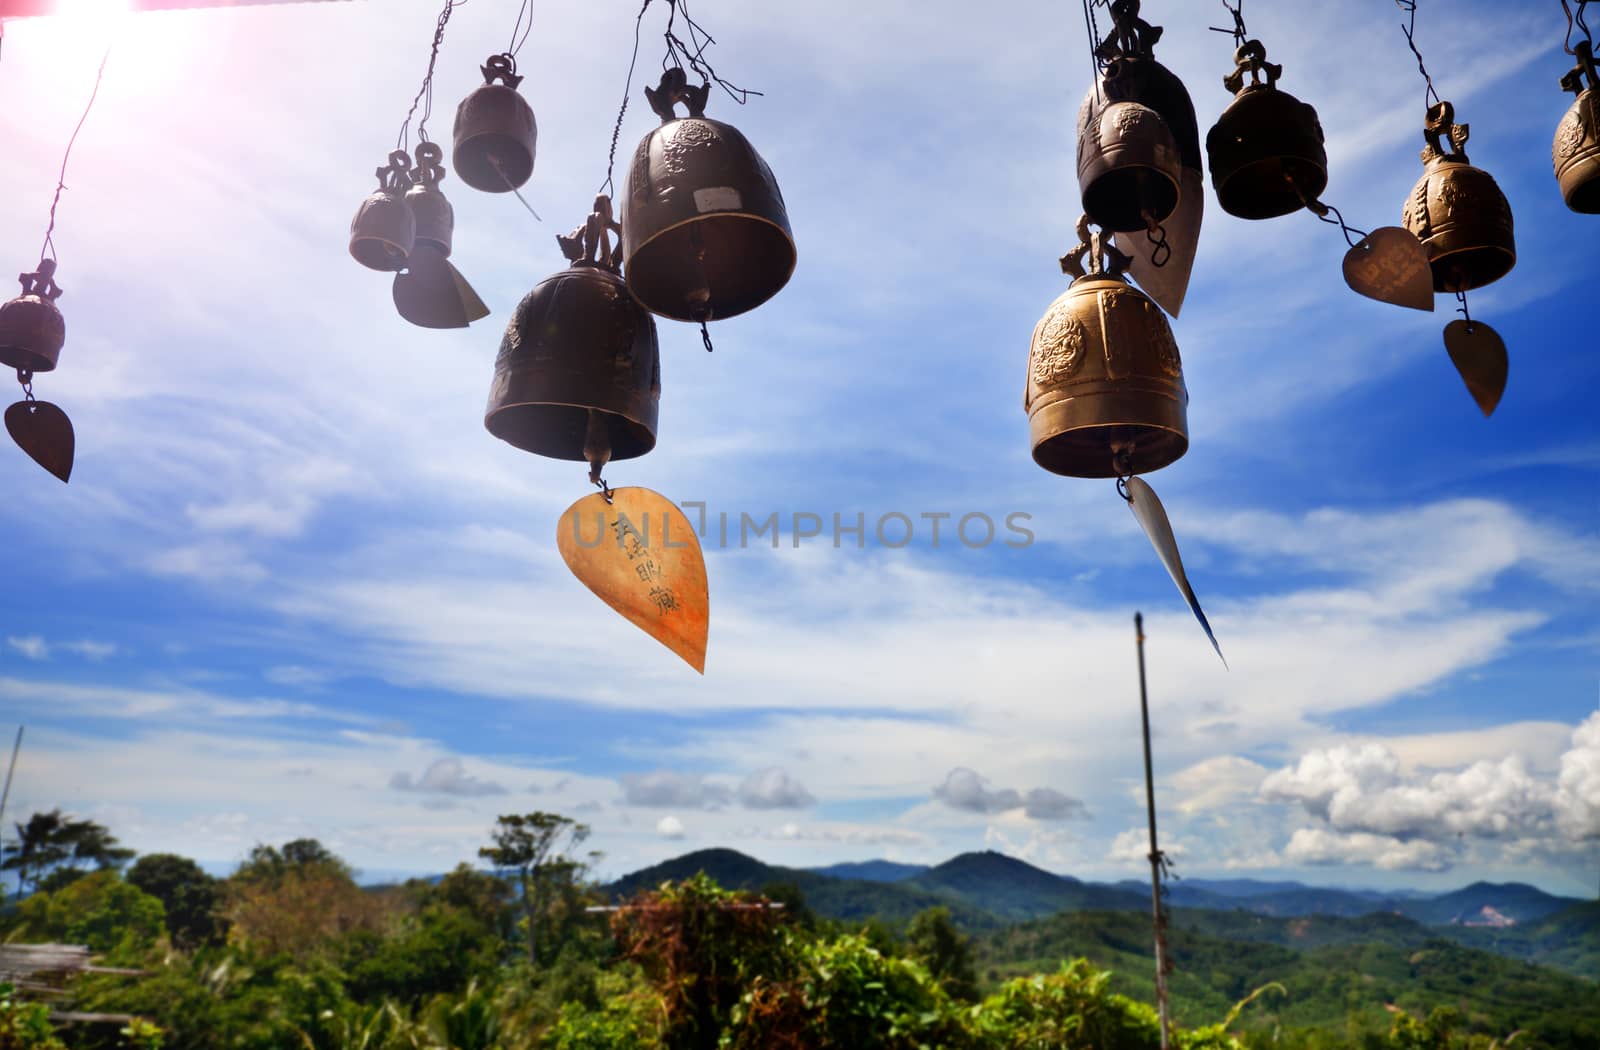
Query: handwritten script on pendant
x=639 y=555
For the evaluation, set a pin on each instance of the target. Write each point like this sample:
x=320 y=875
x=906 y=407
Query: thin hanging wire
x=523 y=26
x=1461 y=297
x=608 y=187
x=1582 y=25
x=693 y=53
x=1409 y=28
x=425 y=92
x=1239 y=32
x=49 y=246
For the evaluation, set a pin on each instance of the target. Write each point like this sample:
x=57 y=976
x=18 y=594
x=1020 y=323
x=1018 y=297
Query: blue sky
x=294 y=588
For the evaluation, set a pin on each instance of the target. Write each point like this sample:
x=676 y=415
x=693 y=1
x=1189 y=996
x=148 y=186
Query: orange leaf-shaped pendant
x=1391 y=265
x=640 y=555
x=1479 y=355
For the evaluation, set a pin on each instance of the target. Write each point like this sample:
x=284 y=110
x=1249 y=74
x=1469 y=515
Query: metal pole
x=4 y=797
x=1155 y=852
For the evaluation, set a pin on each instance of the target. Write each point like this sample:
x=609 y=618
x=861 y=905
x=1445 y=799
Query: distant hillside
x=872 y=870
x=1487 y=904
x=1351 y=971
x=1013 y=889
x=1568 y=939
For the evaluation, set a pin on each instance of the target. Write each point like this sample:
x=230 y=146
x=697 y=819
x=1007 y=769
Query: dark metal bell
x=1128 y=165
x=1105 y=395
x=1576 y=149
x=32 y=330
x=705 y=232
x=1458 y=212
x=579 y=371
x=434 y=218
x=383 y=231
x=495 y=133
x=1266 y=150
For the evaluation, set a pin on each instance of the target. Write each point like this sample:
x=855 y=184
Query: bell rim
x=405 y=253
x=633 y=252
x=21 y=357
x=645 y=428
x=1175 y=441
x=1440 y=285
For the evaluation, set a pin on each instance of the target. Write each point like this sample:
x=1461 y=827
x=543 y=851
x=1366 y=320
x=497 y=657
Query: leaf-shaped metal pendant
x=1169 y=283
x=431 y=293
x=1391 y=265
x=1152 y=517
x=640 y=555
x=1479 y=355
x=44 y=432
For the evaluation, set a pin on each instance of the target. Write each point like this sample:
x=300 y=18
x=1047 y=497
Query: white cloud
x=296 y=676
x=1133 y=847
x=1216 y=782
x=1045 y=803
x=665 y=789
x=447 y=776
x=964 y=789
x=90 y=649
x=773 y=788
x=670 y=827
x=1578 y=788
x=1322 y=846
x=30 y=646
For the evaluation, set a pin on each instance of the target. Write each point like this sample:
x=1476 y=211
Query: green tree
x=25 y=1026
x=53 y=840
x=192 y=898
x=935 y=942
x=99 y=910
x=534 y=847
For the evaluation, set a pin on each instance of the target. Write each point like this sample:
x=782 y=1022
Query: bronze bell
x=1576 y=150
x=431 y=293
x=1458 y=212
x=1105 y=395
x=435 y=219
x=1128 y=165
x=32 y=330
x=495 y=134
x=704 y=232
x=579 y=371
x=384 y=229
x=1266 y=151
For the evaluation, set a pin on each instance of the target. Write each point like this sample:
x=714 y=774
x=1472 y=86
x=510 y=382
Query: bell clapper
x=1156 y=234
x=597 y=450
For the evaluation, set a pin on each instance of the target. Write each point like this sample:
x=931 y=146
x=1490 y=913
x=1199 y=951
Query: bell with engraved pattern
x=1105 y=394
x=1576 y=149
x=32 y=330
x=1457 y=211
x=383 y=231
x=495 y=133
x=431 y=292
x=705 y=233
x=579 y=371
x=1266 y=150
x=1128 y=165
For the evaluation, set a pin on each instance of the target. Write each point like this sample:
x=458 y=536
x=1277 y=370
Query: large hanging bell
x=495 y=134
x=1105 y=395
x=579 y=371
x=1266 y=150
x=1128 y=166
x=1458 y=212
x=384 y=230
x=32 y=330
x=1576 y=150
x=705 y=232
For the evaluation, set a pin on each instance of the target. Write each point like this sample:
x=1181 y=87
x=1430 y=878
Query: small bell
x=431 y=293
x=705 y=232
x=579 y=371
x=1266 y=150
x=382 y=234
x=1128 y=165
x=1576 y=150
x=1105 y=394
x=32 y=330
x=1458 y=212
x=495 y=133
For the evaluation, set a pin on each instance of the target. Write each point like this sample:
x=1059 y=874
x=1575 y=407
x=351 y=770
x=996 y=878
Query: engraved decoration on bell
x=1570 y=134
x=1130 y=118
x=1161 y=339
x=694 y=143
x=1057 y=349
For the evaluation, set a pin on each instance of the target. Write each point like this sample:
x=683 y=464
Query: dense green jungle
x=523 y=949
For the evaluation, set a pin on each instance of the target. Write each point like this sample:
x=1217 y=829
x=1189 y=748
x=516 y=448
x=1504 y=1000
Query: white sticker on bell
x=717 y=198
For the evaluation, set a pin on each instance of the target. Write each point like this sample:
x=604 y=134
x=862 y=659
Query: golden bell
x=1266 y=150
x=1576 y=149
x=1105 y=395
x=1458 y=212
x=579 y=371
x=383 y=231
x=32 y=330
x=705 y=233
x=495 y=133
x=1127 y=165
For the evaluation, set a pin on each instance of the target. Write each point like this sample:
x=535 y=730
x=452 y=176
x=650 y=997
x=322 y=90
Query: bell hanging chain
x=1580 y=22
x=425 y=92
x=1239 y=33
x=1409 y=28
